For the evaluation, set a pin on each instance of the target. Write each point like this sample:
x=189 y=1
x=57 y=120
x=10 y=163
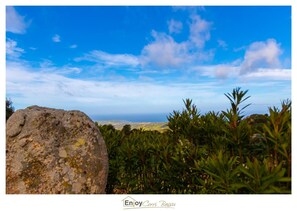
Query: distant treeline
x=210 y=154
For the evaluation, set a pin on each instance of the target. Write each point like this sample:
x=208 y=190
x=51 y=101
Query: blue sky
x=123 y=60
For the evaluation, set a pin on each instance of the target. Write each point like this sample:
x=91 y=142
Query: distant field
x=159 y=126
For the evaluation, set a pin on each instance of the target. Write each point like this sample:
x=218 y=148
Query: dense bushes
x=211 y=153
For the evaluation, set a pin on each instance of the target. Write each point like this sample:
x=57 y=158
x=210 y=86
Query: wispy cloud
x=56 y=38
x=73 y=46
x=30 y=86
x=107 y=59
x=199 y=31
x=189 y=9
x=47 y=66
x=222 y=71
x=54 y=89
x=12 y=51
x=222 y=44
x=175 y=26
x=15 y=23
x=269 y=74
x=242 y=48
x=225 y=71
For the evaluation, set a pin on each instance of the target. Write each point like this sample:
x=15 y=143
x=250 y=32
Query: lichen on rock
x=50 y=151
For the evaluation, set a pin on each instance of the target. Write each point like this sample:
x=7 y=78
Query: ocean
x=161 y=117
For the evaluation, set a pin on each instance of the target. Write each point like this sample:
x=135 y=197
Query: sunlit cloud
x=164 y=52
x=263 y=54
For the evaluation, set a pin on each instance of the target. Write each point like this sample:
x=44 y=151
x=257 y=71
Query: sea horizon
x=148 y=117
x=144 y=117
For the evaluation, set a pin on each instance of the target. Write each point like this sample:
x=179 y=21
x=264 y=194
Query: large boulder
x=50 y=151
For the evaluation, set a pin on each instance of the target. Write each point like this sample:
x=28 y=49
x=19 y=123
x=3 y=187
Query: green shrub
x=213 y=153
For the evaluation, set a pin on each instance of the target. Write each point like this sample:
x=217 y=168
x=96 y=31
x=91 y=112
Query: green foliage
x=185 y=124
x=237 y=131
x=224 y=173
x=212 y=153
x=9 y=108
x=264 y=178
x=277 y=133
x=126 y=129
x=236 y=98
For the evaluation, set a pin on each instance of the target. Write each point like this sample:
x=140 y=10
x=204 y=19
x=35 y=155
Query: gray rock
x=50 y=151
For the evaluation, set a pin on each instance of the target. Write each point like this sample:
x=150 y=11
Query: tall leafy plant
x=278 y=132
x=261 y=178
x=237 y=131
x=223 y=173
x=185 y=124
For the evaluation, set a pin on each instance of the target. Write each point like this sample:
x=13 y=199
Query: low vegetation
x=214 y=153
x=118 y=125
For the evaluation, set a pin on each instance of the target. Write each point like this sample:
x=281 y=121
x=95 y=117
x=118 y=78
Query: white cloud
x=199 y=31
x=175 y=26
x=222 y=44
x=56 y=38
x=261 y=55
x=164 y=52
x=34 y=86
x=12 y=51
x=73 y=46
x=224 y=71
x=232 y=71
x=46 y=63
x=221 y=71
x=107 y=59
x=15 y=23
x=261 y=62
x=242 y=48
x=65 y=70
x=269 y=74
x=189 y=9
x=52 y=87
x=47 y=66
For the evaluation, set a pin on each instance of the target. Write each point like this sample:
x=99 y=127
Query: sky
x=147 y=59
